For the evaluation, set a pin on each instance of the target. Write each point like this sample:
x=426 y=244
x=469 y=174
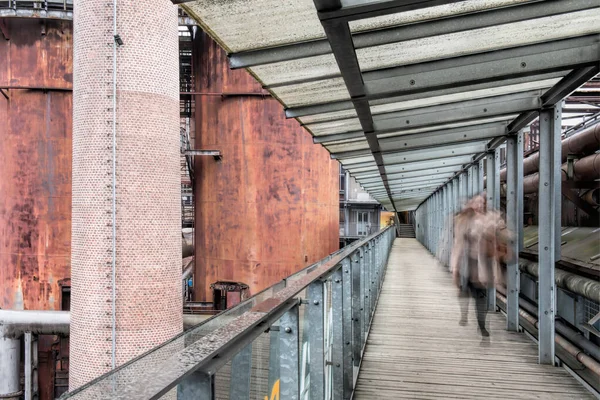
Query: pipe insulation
x=584 y=143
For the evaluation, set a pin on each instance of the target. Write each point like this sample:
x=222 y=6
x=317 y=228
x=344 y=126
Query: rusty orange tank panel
x=271 y=205
x=35 y=163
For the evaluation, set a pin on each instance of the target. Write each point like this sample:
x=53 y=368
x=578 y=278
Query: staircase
x=406 y=231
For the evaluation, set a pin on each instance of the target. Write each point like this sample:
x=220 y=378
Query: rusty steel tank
x=270 y=206
x=35 y=177
x=35 y=162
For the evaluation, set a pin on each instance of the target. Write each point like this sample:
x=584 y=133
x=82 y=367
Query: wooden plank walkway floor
x=417 y=350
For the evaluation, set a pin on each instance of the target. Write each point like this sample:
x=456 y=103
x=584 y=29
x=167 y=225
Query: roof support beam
x=419 y=166
x=340 y=38
x=414 y=31
x=485 y=70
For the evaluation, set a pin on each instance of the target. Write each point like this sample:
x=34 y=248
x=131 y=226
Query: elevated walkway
x=417 y=350
x=377 y=319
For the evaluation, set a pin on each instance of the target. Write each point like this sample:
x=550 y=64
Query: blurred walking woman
x=472 y=262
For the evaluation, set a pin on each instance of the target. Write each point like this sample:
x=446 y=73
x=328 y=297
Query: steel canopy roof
x=407 y=93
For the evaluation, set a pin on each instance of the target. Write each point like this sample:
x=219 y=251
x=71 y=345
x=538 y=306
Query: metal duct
x=13 y=324
x=583 y=143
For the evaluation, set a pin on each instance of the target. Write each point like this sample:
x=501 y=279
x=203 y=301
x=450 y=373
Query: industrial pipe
x=580 y=285
x=592 y=197
x=584 y=169
x=10 y=354
x=583 y=358
x=565 y=331
x=13 y=324
x=583 y=143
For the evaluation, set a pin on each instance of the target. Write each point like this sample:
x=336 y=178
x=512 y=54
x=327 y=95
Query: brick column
x=148 y=231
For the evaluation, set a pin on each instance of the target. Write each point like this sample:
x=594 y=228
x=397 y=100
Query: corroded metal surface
x=270 y=206
x=35 y=164
x=35 y=179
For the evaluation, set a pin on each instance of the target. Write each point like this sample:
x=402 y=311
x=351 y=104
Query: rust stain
x=271 y=206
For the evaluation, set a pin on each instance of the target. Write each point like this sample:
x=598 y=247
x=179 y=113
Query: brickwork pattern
x=148 y=199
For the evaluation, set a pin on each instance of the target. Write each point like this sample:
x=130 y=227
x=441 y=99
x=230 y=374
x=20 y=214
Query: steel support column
x=549 y=198
x=316 y=317
x=493 y=203
x=241 y=371
x=289 y=356
x=514 y=218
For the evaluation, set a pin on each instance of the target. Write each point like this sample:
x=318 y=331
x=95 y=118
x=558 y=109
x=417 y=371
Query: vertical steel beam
x=493 y=203
x=481 y=174
x=197 y=386
x=549 y=196
x=470 y=182
x=289 y=355
x=241 y=370
x=357 y=331
x=347 y=327
x=273 y=355
x=514 y=215
x=475 y=179
x=316 y=339
x=28 y=366
x=337 y=355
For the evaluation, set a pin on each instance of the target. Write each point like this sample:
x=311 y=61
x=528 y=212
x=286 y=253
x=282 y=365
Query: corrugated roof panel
x=355 y=160
x=331 y=127
x=424 y=14
x=309 y=119
x=338 y=148
x=479 y=40
x=303 y=94
x=304 y=68
x=244 y=25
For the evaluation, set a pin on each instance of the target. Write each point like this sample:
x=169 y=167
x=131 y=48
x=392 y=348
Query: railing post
x=316 y=339
x=273 y=355
x=357 y=331
x=549 y=198
x=493 y=203
x=347 y=326
x=289 y=355
x=337 y=356
x=198 y=386
x=514 y=215
x=241 y=369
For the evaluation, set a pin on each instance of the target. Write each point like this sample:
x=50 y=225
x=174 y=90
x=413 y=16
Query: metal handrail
x=190 y=360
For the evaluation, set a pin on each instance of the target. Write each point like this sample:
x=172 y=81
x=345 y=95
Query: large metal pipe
x=583 y=143
x=13 y=324
x=9 y=368
x=587 y=168
x=580 y=285
x=579 y=355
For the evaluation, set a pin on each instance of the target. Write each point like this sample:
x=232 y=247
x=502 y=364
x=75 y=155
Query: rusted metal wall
x=271 y=205
x=35 y=175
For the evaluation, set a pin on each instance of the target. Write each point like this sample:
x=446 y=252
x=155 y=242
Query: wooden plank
x=417 y=350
